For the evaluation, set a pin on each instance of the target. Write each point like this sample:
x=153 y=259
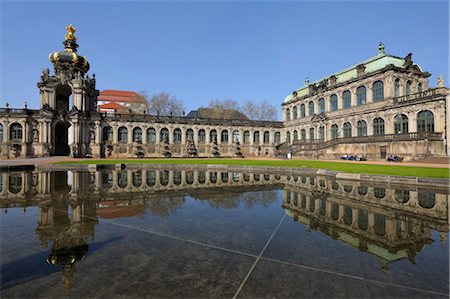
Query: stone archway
x=61 y=144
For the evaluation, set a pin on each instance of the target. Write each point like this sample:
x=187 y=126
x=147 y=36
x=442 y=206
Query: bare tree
x=164 y=103
x=259 y=111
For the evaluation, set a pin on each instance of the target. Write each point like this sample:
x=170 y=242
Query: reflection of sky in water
x=214 y=234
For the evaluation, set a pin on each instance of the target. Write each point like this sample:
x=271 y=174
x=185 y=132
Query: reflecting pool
x=148 y=232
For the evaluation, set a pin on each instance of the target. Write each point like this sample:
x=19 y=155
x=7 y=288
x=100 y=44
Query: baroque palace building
x=378 y=107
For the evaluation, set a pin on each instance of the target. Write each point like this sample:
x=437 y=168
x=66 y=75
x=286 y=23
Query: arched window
x=137 y=134
x=378 y=91
x=137 y=178
x=256 y=137
x=235 y=136
x=427 y=199
x=15 y=133
x=164 y=135
x=303 y=132
x=123 y=135
x=15 y=183
x=288 y=137
x=334 y=131
x=213 y=136
x=288 y=114
x=322 y=133
x=224 y=137
x=311 y=134
x=246 y=137
x=333 y=102
x=347 y=130
x=311 y=108
x=321 y=105
x=201 y=136
x=397 y=87
x=177 y=136
x=302 y=111
x=294 y=112
x=151 y=178
x=419 y=87
x=177 y=177
x=266 y=137
x=425 y=121
x=151 y=136
x=295 y=135
x=277 y=137
x=122 y=179
x=378 y=126
x=190 y=134
x=362 y=128
x=401 y=124
x=107 y=134
x=1 y=133
x=361 y=95
x=402 y=196
x=408 y=88
x=346 y=99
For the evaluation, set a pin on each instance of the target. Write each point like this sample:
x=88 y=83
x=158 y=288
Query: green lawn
x=394 y=169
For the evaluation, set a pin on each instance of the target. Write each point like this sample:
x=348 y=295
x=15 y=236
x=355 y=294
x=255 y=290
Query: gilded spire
x=70 y=33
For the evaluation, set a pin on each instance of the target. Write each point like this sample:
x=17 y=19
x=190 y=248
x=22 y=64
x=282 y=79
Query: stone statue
x=440 y=82
x=214 y=148
x=191 y=151
x=109 y=150
x=45 y=76
x=15 y=150
x=74 y=150
x=92 y=135
x=408 y=61
x=35 y=135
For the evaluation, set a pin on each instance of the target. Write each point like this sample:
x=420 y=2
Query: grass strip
x=395 y=169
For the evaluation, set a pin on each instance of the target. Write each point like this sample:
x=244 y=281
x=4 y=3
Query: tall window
x=303 y=132
x=15 y=132
x=213 y=136
x=302 y=111
x=151 y=136
x=246 y=137
x=288 y=137
x=295 y=135
x=408 y=87
x=425 y=121
x=201 y=136
x=294 y=111
x=311 y=108
x=224 y=137
x=288 y=114
x=266 y=137
x=361 y=95
x=362 y=128
x=397 y=87
x=378 y=91
x=177 y=136
x=311 y=134
x=235 y=136
x=401 y=124
x=277 y=137
x=333 y=103
x=334 y=131
x=256 y=137
x=322 y=133
x=137 y=135
x=123 y=135
x=419 y=87
x=346 y=99
x=321 y=105
x=107 y=134
x=347 y=130
x=378 y=126
x=164 y=135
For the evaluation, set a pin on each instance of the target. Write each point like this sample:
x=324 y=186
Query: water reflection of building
x=388 y=222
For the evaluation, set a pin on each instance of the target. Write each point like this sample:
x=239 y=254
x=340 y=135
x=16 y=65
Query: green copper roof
x=371 y=65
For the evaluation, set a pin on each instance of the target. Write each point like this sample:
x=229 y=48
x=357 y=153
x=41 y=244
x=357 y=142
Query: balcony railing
x=426 y=94
x=299 y=145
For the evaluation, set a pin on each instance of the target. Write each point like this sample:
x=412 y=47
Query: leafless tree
x=163 y=103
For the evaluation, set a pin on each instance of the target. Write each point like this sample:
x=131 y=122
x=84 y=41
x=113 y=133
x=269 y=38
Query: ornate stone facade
x=378 y=107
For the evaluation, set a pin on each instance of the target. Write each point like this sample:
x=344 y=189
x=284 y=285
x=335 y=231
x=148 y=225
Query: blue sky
x=198 y=51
